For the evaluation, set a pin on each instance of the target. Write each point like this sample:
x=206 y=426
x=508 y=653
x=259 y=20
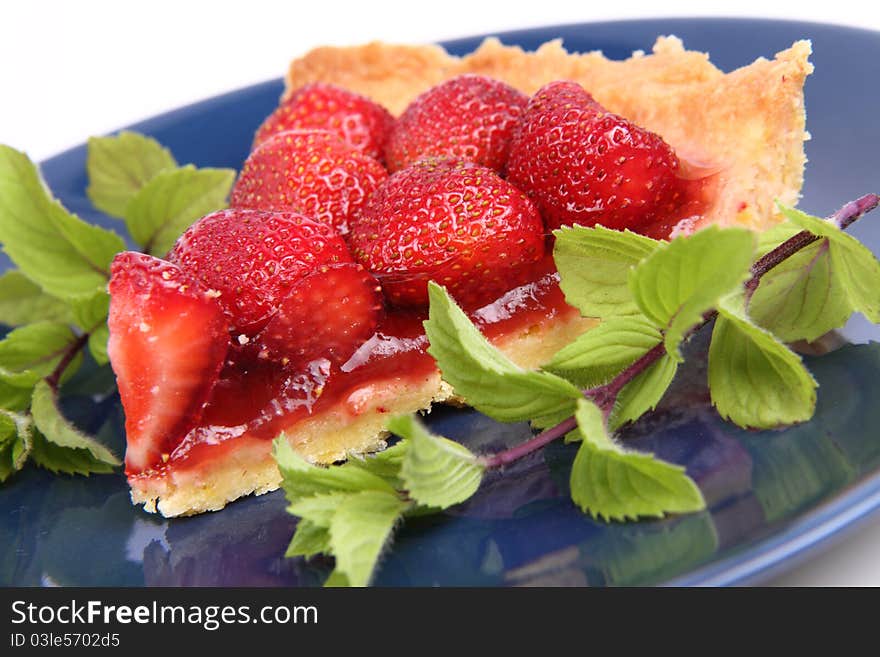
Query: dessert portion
x=299 y=310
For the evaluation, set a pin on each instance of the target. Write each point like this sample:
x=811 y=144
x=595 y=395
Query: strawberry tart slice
x=299 y=310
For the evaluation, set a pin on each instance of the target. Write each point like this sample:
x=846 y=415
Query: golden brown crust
x=747 y=125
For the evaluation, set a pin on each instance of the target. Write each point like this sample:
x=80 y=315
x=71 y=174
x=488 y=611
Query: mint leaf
x=308 y=540
x=167 y=205
x=801 y=298
x=360 y=529
x=319 y=509
x=385 y=464
x=436 y=472
x=16 y=442
x=754 y=379
x=91 y=455
x=98 y=344
x=302 y=479
x=683 y=279
x=120 y=166
x=485 y=377
x=603 y=352
x=612 y=483
x=22 y=301
x=55 y=249
x=90 y=311
x=594 y=264
x=66 y=460
x=16 y=389
x=644 y=392
x=33 y=351
x=857 y=268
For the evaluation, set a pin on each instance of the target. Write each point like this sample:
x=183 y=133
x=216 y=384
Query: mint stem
x=605 y=396
x=75 y=347
x=532 y=445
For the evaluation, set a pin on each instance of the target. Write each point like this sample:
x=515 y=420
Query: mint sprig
x=651 y=297
x=350 y=511
x=57 y=298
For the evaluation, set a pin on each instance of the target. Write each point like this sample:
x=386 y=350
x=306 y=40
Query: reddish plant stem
x=75 y=347
x=604 y=396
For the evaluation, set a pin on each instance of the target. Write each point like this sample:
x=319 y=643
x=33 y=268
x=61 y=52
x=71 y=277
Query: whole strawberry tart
x=298 y=310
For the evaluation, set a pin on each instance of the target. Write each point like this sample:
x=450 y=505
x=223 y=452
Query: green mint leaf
x=120 y=166
x=16 y=442
x=359 y=531
x=385 y=464
x=851 y=261
x=33 y=351
x=66 y=460
x=774 y=236
x=683 y=279
x=801 y=298
x=55 y=428
x=302 y=479
x=98 y=344
x=308 y=540
x=594 y=265
x=22 y=301
x=16 y=389
x=8 y=435
x=614 y=484
x=436 y=472
x=754 y=379
x=90 y=311
x=319 y=509
x=55 y=249
x=598 y=355
x=171 y=201
x=485 y=377
x=644 y=392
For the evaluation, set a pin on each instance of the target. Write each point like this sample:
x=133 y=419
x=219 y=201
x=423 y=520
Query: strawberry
x=168 y=341
x=451 y=221
x=252 y=257
x=470 y=117
x=360 y=122
x=582 y=164
x=327 y=314
x=309 y=171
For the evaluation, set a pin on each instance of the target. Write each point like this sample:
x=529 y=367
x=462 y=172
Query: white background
x=73 y=69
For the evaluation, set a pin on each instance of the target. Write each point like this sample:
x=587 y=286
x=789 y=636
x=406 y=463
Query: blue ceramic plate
x=773 y=498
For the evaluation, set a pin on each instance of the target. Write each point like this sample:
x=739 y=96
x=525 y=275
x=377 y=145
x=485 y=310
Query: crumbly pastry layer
x=747 y=127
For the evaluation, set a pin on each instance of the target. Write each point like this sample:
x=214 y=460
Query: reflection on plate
x=770 y=494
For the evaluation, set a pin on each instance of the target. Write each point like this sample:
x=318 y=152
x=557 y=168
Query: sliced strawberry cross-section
x=328 y=314
x=168 y=341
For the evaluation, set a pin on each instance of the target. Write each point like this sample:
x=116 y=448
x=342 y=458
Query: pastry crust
x=747 y=126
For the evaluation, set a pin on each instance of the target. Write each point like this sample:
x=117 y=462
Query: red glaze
x=259 y=398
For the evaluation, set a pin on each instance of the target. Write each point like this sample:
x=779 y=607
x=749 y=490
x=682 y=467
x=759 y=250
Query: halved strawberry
x=360 y=122
x=328 y=314
x=581 y=164
x=471 y=117
x=451 y=221
x=252 y=257
x=308 y=171
x=168 y=341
